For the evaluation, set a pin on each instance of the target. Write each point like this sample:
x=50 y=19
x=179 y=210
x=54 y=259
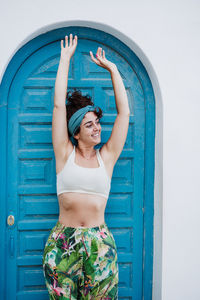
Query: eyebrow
x=91 y=121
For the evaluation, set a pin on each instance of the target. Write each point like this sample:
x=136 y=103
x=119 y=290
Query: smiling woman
x=76 y=107
x=77 y=263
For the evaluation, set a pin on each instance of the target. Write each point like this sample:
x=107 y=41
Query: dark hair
x=75 y=101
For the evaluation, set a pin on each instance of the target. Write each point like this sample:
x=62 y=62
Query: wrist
x=113 y=69
x=65 y=60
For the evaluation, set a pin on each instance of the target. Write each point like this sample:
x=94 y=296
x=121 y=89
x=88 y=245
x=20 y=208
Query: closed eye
x=91 y=124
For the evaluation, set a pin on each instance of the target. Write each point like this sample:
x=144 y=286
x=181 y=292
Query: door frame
x=152 y=227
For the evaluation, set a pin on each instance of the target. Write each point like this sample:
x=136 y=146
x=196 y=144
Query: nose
x=96 y=127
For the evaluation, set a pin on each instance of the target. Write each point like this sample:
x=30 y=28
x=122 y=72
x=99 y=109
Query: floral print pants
x=81 y=263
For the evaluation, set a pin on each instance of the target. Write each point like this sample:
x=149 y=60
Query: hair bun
x=76 y=99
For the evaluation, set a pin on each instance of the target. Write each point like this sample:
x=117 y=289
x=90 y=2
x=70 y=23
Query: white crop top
x=74 y=178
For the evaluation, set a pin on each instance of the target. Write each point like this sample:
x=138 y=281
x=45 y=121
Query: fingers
x=66 y=41
x=99 y=54
x=62 y=44
x=75 y=40
x=71 y=41
x=94 y=59
x=92 y=56
x=99 y=60
x=99 y=51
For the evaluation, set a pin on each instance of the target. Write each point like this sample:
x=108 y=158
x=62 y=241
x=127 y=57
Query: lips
x=95 y=135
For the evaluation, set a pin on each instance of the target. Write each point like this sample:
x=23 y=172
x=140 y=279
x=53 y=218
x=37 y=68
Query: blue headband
x=76 y=119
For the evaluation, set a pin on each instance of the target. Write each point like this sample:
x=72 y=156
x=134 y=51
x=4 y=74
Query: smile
x=97 y=134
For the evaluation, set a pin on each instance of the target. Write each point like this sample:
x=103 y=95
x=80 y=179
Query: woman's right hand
x=68 y=51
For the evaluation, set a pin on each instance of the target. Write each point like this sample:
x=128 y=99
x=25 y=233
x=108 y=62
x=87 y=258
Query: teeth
x=95 y=134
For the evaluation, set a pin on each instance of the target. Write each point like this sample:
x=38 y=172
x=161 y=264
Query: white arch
x=158 y=183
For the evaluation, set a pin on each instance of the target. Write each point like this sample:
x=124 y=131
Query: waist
x=62 y=226
x=81 y=209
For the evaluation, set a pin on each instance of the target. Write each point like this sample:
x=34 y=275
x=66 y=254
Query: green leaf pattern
x=81 y=263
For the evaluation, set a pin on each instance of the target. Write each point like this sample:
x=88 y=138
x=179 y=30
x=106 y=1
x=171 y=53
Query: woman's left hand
x=101 y=60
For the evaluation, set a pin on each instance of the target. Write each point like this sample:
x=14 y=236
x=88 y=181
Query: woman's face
x=90 y=129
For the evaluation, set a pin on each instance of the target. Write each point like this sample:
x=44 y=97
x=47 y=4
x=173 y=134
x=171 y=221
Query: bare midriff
x=81 y=210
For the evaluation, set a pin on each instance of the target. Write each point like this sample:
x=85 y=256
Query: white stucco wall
x=168 y=34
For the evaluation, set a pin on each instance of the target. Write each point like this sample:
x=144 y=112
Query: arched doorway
x=29 y=168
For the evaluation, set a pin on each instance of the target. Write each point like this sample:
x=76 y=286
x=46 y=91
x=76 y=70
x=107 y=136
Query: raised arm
x=116 y=142
x=60 y=136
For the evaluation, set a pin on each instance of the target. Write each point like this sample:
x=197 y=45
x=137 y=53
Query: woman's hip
x=82 y=241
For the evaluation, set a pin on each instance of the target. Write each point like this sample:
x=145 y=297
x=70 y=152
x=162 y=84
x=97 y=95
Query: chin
x=98 y=141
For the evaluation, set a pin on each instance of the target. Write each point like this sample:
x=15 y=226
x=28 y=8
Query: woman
x=80 y=257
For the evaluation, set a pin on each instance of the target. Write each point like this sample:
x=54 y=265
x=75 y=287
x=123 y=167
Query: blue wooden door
x=31 y=178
